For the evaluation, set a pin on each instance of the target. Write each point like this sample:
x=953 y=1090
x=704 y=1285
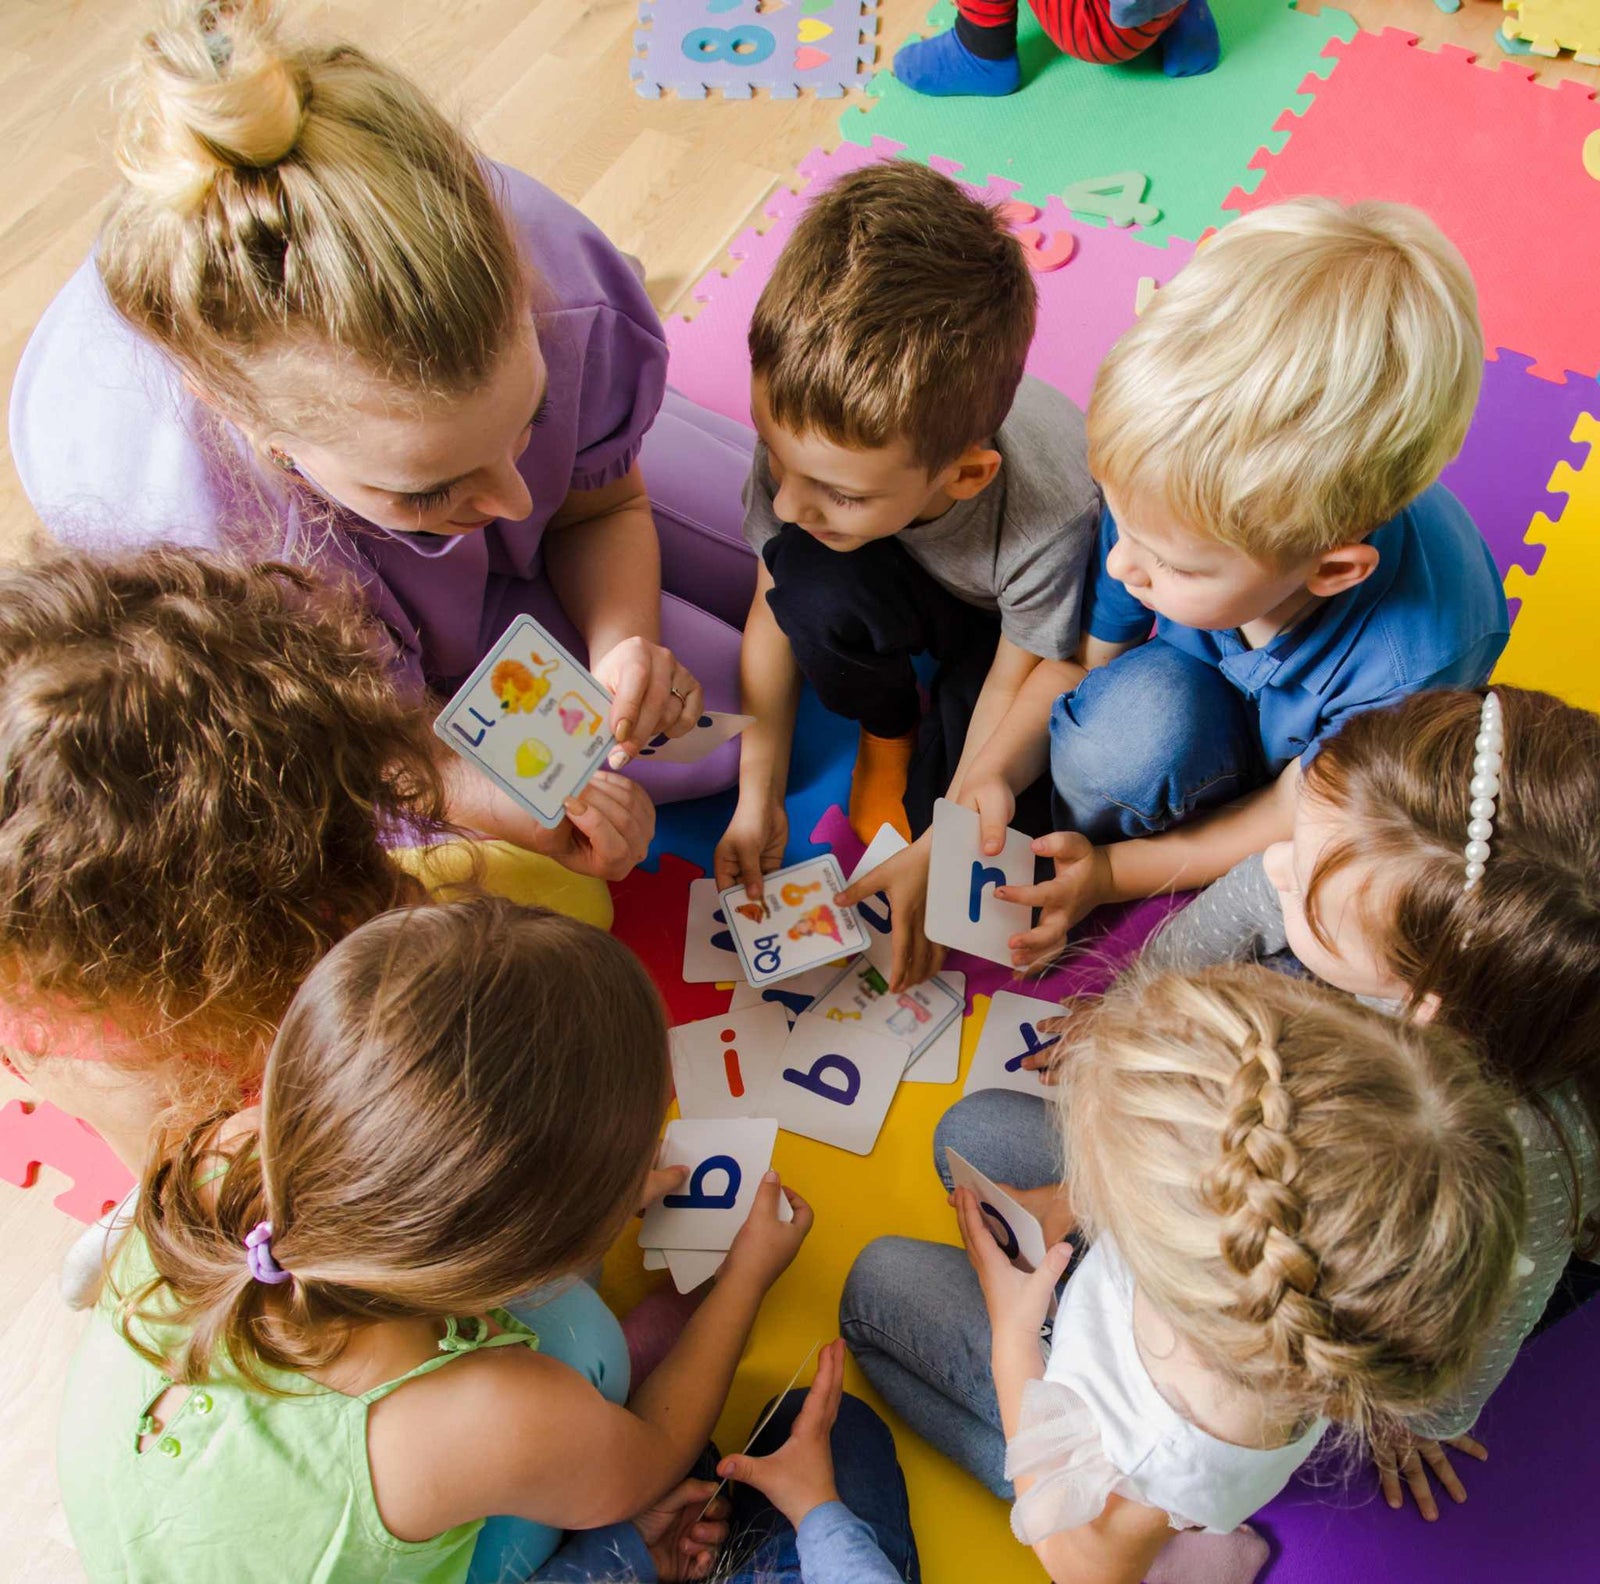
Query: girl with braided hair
x=1445 y=867
x=1299 y=1213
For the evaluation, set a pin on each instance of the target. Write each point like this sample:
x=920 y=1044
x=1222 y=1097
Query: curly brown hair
x=200 y=759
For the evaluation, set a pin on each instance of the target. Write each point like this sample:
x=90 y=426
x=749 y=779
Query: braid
x=1253 y=1188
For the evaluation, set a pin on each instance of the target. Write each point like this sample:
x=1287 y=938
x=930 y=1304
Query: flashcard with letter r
x=962 y=911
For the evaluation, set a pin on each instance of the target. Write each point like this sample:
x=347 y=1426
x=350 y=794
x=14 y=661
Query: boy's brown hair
x=462 y=1104
x=900 y=309
x=199 y=761
x=1515 y=962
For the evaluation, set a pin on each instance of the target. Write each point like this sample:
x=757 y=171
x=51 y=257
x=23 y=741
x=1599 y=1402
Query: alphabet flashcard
x=708 y=733
x=709 y=955
x=1018 y=1232
x=726 y=1160
x=834 y=1082
x=962 y=911
x=531 y=719
x=875 y=911
x=1010 y=1032
x=793 y=995
x=860 y=998
x=720 y=1065
x=796 y=924
x=940 y=1063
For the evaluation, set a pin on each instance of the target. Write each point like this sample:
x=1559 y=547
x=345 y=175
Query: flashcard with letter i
x=962 y=911
x=531 y=719
x=796 y=924
x=719 y=1063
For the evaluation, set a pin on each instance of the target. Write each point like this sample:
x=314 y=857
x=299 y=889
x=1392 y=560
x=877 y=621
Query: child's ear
x=1342 y=568
x=971 y=473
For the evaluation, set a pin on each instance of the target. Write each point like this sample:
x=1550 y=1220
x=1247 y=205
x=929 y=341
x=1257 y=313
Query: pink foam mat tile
x=1494 y=157
x=1088 y=278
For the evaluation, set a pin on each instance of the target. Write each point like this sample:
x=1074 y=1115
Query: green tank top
x=240 y=1486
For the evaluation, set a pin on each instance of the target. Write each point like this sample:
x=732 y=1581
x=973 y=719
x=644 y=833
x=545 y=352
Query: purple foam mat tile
x=736 y=46
x=1528 y=1514
x=1101 y=946
x=1521 y=430
x=1088 y=277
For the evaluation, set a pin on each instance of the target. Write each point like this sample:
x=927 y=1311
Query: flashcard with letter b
x=531 y=719
x=962 y=911
x=834 y=1083
x=726 y=1161
x=796 y=924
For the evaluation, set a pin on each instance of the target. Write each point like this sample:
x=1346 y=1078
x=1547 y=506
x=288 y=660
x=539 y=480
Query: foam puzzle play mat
x=1110 y=177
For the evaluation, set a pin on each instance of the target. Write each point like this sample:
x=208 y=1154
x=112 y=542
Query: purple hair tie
x=258 y=1254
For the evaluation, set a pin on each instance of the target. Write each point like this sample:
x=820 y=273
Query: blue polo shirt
x=1432 y=614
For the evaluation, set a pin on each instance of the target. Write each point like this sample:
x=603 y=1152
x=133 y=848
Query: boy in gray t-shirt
x=912 y=493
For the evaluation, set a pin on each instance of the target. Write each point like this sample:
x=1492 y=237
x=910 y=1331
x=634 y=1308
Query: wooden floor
x=544 y=85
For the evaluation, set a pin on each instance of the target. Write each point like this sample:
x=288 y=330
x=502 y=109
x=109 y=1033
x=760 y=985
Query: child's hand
x=764 y=1247
x=1018 y=1301
x=682 y=1533
x=659 y=1182
x=752 y=845
x=1082 y=883
x=904 y=878
x=995 y=804
x=1403 y=1456
x=607 y=829
x=650 y=691
x=798 y=1477
x=1064 y=1030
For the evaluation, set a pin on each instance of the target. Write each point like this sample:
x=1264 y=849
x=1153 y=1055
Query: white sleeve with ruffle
x=1057 y=1446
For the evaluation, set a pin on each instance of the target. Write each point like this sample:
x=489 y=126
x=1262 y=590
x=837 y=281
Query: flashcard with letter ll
x=1010 y=1032
x=707 y=734
x=860 y=998
x=796 y=924
x=719 y=1064
x=834 y=1083
x=962 y=911
x=1018 y=1232
x=726 y=1160
x=531 y=719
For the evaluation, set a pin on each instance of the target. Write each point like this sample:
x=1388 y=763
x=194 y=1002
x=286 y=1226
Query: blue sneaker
x=944 y=68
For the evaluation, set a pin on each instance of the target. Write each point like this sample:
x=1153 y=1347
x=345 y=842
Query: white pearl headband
x=1487 y=751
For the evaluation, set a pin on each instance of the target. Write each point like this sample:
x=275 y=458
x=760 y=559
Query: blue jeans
x=913 y=1313
x=870 y=1484
x=1149 y=740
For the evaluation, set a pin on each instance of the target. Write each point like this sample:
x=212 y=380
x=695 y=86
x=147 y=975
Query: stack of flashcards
x=537 y=723
x=690 y=1231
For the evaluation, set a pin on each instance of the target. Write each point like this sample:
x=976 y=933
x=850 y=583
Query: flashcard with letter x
x=796 y=924
x=962 y=911
x=1010 y=1032
x=531 y=719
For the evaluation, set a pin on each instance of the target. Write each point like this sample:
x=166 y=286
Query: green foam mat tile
x=1194 y=137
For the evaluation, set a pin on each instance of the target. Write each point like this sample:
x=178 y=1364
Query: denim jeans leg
x=914 y=1317
x=763 y=1548
x=1148 y=740
x=1011 y=1138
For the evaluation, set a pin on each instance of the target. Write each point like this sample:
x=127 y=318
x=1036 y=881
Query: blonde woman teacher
x=318 y=324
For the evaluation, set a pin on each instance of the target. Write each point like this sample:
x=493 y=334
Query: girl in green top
x=303 y=1368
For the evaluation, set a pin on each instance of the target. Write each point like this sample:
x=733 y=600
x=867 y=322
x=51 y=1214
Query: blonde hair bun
x=212 y=90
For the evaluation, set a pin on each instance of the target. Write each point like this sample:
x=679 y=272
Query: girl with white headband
x=1445 y=866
